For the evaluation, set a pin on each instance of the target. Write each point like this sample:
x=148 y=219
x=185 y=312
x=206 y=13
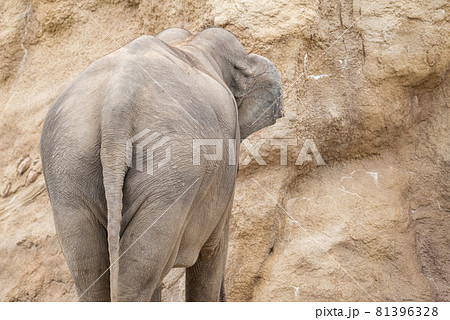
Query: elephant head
x=258 y=94
x=253 y=79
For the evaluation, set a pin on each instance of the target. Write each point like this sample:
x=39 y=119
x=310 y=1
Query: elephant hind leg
x=204 y=280
x=149 y=247
x=83 y=240
x=223 y=297
x=156 y=297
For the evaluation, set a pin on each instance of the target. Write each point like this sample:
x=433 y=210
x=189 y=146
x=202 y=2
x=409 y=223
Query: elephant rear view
x=139 y=155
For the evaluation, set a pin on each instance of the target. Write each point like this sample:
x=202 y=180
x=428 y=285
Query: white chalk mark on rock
x=297 y=290
x=350 y=176
x=342 y=188
x=374 y=177
x=317 y=77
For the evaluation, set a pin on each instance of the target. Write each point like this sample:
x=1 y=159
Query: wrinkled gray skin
x=177 y=216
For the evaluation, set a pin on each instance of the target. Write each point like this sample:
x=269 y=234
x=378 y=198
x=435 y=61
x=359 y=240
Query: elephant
x=174 y=35
x=122 y=228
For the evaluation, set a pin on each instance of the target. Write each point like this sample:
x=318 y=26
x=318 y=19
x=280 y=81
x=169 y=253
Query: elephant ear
x=243 y=74
x=257 y=89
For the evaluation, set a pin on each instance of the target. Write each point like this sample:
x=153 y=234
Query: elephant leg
x=143 y=267
x=204 y=280
x=84 y=244
x=156 y=297
x=149 y=247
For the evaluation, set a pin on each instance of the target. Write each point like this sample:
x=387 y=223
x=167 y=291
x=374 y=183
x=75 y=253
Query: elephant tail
x=113 y=154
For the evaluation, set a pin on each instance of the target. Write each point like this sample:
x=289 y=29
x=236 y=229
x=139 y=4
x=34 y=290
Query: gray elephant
x=122 y=228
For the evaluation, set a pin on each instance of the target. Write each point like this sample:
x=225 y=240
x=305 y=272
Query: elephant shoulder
x=142 y=45
x=140 y=48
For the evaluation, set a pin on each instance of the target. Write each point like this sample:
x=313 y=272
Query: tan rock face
x=366 y=82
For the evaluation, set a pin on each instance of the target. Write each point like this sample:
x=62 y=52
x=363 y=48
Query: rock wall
x=366 y=81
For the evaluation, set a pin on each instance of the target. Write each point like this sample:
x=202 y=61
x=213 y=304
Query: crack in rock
x=26 y=15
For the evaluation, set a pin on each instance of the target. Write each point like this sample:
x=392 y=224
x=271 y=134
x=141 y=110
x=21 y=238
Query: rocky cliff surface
x=366 y=81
